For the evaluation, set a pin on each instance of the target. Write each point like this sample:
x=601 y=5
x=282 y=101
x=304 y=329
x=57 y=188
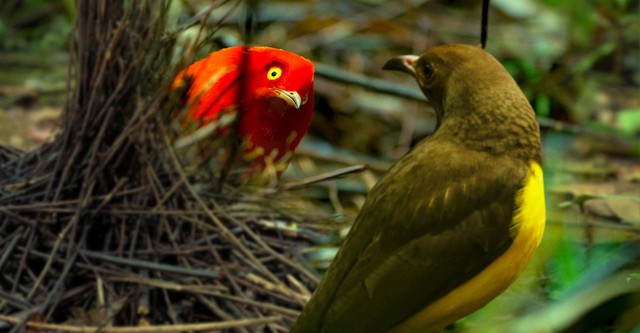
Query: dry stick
x=271 y=251
x=65 y=141
x=199 y=327
x=157 y=187
x=203 y=18
x=233 y=307
x=160 y=201
x=151 y=265
x=164 y=226
x=15 y=237
x=281 y=289
x=186 y=263
x=14 y=300
x=30 y=309
x=264 y=305
x=176 y=184
x=131 y=126
x=213 y=306
x=109 y=196
x=251 y=284
x=380 y=166
x=102 y=69
x=96 y=273
x=247 y=230
x=53 y=293
x=25 y=254
x=104 y=117
x=62 y=181
x=230 y=277
x=134 y=238
x=166 y=229
x=97 y=165
x=52 y=255
x=171 y=312
x=223 y=267
x=324 y=177
x=35 y=205
x=224 y=231
x=374 y=84
x=144 y=297
x=88 y=114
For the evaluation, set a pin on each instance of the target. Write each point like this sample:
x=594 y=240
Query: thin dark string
x=249 y=26
x=485 y=18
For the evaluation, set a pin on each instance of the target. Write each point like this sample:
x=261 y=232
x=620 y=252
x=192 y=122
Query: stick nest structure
x=106 y=229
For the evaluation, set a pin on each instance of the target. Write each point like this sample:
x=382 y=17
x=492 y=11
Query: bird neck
x=494 y=131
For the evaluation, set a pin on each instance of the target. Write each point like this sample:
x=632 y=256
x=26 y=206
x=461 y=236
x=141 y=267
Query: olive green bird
x=455 y=221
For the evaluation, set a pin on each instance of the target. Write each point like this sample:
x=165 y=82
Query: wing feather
x=214 y=83
x=440 y=229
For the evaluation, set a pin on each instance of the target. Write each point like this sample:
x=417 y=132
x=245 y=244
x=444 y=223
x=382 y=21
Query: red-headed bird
x=276 y=103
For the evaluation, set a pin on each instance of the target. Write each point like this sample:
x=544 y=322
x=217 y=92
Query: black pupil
x=428 y=70
x=274 y=73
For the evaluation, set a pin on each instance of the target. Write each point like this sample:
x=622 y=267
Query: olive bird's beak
x=403 y=63
x=291 y=97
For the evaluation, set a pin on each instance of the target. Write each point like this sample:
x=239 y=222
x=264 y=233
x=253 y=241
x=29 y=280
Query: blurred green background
x=577 y=61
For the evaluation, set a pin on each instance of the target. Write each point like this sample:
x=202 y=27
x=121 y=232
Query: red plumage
x=276 y=105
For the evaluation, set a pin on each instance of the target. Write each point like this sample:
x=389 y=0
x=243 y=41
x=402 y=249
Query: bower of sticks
x=109 y=226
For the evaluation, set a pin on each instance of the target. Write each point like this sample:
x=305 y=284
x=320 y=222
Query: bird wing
x=214 y=83
x=213 y=92
x=436 y=225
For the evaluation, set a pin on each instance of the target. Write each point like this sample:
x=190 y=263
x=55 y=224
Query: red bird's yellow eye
x=274 y=73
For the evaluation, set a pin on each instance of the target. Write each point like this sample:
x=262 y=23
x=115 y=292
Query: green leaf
x=543 y=105
x=629 y=121
x=591 y=58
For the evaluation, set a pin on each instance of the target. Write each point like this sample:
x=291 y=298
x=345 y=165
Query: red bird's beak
x=291 y=97
x=402 y=63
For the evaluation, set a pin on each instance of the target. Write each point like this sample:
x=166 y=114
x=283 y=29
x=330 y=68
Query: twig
x=201 y=290
x=324 y=177
x=52 y=254
x=371 y=83
x=206 y=273
x=224 y=232
x=54 y=292
x=272 y=252
x=199 y=327
x=15 y=237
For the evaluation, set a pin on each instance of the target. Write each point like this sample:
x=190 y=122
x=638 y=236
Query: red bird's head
x=272 y=89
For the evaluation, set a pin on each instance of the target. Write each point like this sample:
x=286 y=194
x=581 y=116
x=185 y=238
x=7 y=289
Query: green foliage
x=590 y=59
x=37 y=26
x=599 y=50
x=525 y=70
x=576 y=266
x=629 y=121
x=566 y=268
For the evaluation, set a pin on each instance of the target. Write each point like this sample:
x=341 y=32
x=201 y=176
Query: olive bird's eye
x=274 y=73
x=427 y=69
